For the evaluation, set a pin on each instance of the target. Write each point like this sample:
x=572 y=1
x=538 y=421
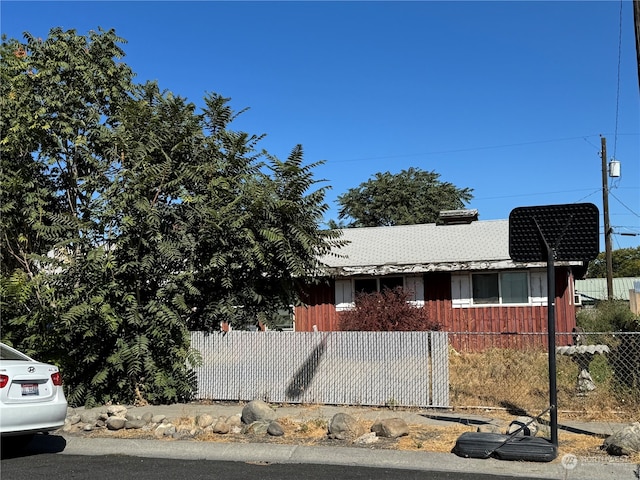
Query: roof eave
x=390 y=269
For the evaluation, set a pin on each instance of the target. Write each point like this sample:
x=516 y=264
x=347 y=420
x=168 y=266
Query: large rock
x=117 y=411
x=343 y=426
x=89 y=416
x=275 y=429
x=221 y=427
x=158 y=418
x=257 y=428
x=134 y=424
x=73 y=419
x=234 y=420
x=204 y=420
x=257 y=411
x=624 y=442
x=116 y=423
x=390 y=428
x=164 y=430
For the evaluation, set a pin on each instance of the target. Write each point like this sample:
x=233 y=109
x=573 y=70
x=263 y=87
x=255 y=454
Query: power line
x=615 y=135
x=538 y=193
x=473 y=149
x=622 y=203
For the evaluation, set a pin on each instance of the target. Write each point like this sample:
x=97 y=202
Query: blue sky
x=507 y=98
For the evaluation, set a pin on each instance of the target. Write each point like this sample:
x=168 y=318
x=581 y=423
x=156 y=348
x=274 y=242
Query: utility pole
x=607 y=225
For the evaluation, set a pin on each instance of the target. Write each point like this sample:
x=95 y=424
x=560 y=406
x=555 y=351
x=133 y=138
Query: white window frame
x=345 y=290
x=462 y=289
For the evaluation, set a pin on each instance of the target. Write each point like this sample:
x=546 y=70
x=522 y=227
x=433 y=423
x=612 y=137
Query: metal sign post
x=546 y=234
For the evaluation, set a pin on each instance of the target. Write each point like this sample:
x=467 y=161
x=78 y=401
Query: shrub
x=624 y=357
x=609 y=316
x=384 y=311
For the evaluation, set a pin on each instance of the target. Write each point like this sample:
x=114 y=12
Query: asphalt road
x=110 y=467
x=77 y=457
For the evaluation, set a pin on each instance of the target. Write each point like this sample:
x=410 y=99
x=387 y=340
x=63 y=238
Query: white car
x=31 y=396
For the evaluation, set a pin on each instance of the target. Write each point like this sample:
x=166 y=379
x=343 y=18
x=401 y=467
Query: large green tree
x=128 y=217
x=625 y=262
x=409 y=197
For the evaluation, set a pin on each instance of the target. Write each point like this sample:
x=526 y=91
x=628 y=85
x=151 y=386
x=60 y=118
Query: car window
x=7 y=354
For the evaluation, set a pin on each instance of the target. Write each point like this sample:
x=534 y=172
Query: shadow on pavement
x=457 y=419
x=40 y=444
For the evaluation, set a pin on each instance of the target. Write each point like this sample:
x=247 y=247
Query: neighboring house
x=592 y=290
x=461 y=272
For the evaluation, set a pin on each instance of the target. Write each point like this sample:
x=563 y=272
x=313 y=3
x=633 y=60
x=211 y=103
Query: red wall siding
x=320 y=309
x=495 y=321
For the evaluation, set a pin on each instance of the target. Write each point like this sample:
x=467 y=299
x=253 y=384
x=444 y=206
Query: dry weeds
x=518 y=381
x=421 y=438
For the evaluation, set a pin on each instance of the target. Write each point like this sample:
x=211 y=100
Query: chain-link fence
x=597 y=373
x=340 y=368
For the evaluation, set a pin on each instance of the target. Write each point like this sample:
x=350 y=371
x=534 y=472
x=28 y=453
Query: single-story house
x=459 y=269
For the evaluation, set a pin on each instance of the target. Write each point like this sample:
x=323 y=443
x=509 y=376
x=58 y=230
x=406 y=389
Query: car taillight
x=3 y=380
x=56 y=378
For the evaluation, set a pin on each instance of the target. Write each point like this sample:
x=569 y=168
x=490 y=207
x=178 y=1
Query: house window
x=500 y=288
x=372 y=285
x=514 y=287
x=347 y=289
x=365 y=285
x=485 y=288
x=391 y=283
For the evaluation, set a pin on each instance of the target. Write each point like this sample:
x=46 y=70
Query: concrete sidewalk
x=579 y=468
x=346 y=456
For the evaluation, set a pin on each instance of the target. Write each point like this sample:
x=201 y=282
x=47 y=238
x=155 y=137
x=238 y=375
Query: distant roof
x=424 y=248
x=596 y=288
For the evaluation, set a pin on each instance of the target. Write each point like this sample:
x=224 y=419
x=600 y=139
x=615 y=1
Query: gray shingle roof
x=422 y=248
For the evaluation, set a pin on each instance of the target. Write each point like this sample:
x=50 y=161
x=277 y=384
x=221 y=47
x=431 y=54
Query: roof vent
x=457 y=217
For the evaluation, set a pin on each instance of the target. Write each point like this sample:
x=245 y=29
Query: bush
x=384 y=311
x=624 y=357
x=609 y=316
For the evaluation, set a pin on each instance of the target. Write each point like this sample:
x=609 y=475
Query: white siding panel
x=344 y=295
x=460 y=290
x=539 y=288
x=415 y=285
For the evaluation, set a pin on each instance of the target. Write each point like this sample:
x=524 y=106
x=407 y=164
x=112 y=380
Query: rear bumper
x=17 y=419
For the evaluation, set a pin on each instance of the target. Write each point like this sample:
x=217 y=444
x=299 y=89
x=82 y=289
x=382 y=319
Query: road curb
x=347 y=456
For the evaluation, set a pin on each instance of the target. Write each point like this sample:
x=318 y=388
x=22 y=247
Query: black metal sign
x=571 y=231
x=545 y=234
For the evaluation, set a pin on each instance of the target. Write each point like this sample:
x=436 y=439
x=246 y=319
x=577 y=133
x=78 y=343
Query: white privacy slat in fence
x=338 y=368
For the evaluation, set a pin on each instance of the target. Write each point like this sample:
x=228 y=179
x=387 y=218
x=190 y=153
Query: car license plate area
x=30 y=390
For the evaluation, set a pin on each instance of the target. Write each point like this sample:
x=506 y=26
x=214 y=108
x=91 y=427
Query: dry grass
x=518 y=381
x=509 y=382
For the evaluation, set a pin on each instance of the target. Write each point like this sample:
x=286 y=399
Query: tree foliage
x=409 y=197
x=388 y=310
x=128 y=218
x=625 y=262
